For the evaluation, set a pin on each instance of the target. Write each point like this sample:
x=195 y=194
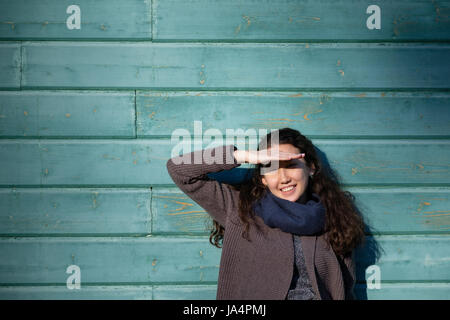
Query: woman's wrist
x=240 y=156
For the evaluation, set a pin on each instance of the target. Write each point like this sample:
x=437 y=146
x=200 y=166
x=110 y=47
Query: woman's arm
x=213 y=196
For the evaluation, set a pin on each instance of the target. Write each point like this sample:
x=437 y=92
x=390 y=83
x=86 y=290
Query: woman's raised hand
x=264 y=156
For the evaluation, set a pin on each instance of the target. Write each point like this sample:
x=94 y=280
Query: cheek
x=302 y=178
x=300 y=175
x=271 y=180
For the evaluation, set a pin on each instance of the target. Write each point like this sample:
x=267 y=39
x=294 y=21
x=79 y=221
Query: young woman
x=288 y=232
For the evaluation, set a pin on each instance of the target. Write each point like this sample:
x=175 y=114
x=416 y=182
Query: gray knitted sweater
x=263 y=267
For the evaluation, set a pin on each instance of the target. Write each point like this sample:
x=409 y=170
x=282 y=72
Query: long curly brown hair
x=344 y=226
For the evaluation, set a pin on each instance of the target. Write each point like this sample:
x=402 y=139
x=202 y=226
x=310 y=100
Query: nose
x=282 y=176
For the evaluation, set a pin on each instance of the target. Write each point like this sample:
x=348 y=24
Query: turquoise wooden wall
x=86 y=117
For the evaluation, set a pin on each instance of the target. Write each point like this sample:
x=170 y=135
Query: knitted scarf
x=289 y=216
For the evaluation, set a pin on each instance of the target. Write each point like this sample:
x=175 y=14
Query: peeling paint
x=10 y=23
x=94 y=200
x=169 y=197
x=238 y=28
x=248 y=20
x=439 y=213
x=308 y=19
x=105 y=156
x=282 y=119
x=305 y=116
x=187 y=212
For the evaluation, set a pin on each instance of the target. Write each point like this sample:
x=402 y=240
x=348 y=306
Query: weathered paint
x=318 y=114
x=10 y=65
x=281 y=20
x=83 y=172
x=386 y=210
x=76 y=211
x=124 y=260
x=279 y=66
x=100 y=19
x=67 y=114
x=92 y=162
x=388 y=291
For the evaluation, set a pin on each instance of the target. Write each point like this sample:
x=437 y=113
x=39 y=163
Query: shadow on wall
x=369 y=252
x=365 y=256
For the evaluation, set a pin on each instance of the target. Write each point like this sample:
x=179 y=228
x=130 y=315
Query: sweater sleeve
x=213 y=196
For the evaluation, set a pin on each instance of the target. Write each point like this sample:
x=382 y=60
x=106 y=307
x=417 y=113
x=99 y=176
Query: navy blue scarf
x=289 y=216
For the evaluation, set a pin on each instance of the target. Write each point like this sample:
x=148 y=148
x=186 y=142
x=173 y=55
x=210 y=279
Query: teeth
x=287 y=189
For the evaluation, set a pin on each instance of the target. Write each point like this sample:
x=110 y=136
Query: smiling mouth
x=288 y=190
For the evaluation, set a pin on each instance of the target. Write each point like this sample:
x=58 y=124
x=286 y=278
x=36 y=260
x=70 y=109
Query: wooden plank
x=405 y=257
x=404 y=291
x=232 y=65
x=118 y=260
x=50 y=211
x=10 y=59
x=315 y=114
x=130 y=292
x=93 y=211
x=385 y=161
x=175 y=212
x=16 y=159
x=284 y=20
x=191 y=259
x=185 y=292
x=385 y=210
x=404 y=210
x=388 y=291
x=67 y=114
x=102 y=19
x=143 y=162
x=100 y=162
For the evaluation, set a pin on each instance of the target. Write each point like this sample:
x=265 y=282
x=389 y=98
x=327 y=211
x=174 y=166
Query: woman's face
x=293 y=172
